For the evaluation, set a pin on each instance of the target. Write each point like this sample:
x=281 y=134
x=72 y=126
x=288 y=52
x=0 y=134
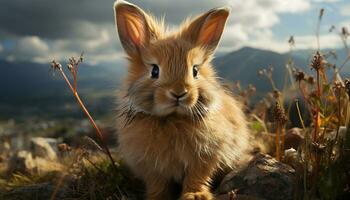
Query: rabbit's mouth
x=176 y=107
x=182 y=108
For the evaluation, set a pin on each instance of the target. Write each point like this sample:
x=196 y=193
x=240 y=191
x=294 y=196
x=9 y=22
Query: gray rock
x=44 y=147
x=293 y=138
x=263 y=178
x=21 y=161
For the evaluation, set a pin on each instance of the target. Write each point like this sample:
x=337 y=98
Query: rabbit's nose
x=178 y=95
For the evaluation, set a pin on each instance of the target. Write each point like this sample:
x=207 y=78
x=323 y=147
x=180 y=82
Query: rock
x=44 y=147
x=44 y=165
x=21 y=161
x=293 y=138
x=333 y=134
x=263 y=178
x=24 y=162
x=292 y=158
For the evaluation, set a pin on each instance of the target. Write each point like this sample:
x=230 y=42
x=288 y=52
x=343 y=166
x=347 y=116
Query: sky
x=42 y=30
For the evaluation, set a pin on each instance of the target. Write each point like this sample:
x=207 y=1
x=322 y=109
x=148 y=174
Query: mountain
x=244 y=64
x=33 y=90
x=30 y=90
x=341 y=55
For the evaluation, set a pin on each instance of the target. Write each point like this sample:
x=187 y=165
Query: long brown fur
x=162 y=140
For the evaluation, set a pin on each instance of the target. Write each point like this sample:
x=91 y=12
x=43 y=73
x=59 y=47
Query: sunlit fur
x=186 y=143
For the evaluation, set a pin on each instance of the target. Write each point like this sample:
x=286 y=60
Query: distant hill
x=243 y=65
x=341 y=55
x=30 y=90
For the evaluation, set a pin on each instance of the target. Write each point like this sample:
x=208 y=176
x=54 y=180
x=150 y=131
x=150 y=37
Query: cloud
x=101 y=49
x=327 y=41
x=345 y=23
x=253 y=20
x=247 y=19
x=345 y=10
x=54 y=19
x=325 y=1
x=67 y=18
x=60 y=29
x=27 y=48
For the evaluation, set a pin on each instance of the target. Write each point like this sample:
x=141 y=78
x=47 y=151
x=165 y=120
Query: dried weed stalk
x=72 y=66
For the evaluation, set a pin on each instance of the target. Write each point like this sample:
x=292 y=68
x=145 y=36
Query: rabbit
x=175 y=120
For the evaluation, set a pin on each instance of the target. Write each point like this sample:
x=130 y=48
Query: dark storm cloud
x=176 y=11
x=70 y=26
x=54 y=19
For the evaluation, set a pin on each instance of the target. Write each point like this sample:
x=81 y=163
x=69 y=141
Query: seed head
x=291 y=41
x=251 y=89
x=332 y=28
x=70 y=67
x=72 y=61
x=347 y=86
x=299 y=76
x=321 y=14
x=338 y=87
x=279 y=114
x=310 y=80
x=81 y=58
x=56 y=65
x=317 y=62
x=276 y=94
x=260 y=72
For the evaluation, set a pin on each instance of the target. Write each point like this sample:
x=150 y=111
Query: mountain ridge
x=30 y=89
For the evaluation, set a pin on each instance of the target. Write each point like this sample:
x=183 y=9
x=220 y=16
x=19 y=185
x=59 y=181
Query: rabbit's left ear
x=206 y=29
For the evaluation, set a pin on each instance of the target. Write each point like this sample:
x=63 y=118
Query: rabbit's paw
x=197 y=196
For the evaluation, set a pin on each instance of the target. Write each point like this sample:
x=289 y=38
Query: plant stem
x=92 y=121
x=342 y=66
x=316 y=117
x=277 y=141
x=283 y=137
x=305 y=154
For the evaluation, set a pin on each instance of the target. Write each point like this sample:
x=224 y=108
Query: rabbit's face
x=170 y=74
x=173 y=79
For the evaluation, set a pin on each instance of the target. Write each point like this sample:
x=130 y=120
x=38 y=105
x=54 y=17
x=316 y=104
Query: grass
x=86 y=175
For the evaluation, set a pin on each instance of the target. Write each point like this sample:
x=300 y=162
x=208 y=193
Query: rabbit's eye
x=155 y=71
x=195 y=71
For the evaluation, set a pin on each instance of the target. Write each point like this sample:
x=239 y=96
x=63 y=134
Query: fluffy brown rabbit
x=175 y=120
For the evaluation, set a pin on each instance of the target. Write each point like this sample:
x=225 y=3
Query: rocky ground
x=49 y=168
x=263 y=178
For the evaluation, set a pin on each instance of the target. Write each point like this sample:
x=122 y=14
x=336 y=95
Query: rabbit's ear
x=132 y=24
x=206 y=29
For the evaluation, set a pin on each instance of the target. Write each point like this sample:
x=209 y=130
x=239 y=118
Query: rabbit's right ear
x=132 y=26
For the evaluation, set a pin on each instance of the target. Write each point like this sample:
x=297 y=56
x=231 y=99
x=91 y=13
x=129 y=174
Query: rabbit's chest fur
x=169 y=146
